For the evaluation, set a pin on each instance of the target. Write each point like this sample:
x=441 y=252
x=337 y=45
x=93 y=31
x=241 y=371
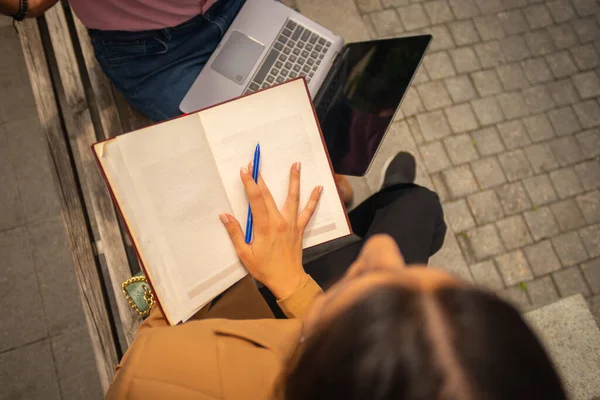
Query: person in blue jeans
x=155 y=68
x=151 y=50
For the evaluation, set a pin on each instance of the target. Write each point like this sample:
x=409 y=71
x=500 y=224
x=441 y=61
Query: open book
x=172 y=180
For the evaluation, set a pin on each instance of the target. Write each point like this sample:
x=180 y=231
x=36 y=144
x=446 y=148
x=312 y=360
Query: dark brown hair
x=397 y=343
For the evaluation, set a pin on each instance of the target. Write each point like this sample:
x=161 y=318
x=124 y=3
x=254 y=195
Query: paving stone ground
x=505 y=113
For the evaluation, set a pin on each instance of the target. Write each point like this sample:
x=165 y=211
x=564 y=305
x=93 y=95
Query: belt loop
x=167 y=33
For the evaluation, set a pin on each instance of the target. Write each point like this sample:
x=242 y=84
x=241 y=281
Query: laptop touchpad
x=237 y=57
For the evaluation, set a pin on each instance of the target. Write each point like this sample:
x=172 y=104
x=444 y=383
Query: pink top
x=137 y=15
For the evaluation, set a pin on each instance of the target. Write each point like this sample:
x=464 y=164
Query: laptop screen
x=360 y=96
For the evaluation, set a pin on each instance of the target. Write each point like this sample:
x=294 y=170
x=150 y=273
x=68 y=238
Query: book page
x=173 y=193
x=281 y=119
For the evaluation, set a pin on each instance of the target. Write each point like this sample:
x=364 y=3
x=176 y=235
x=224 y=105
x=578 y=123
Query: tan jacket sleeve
x=295 y=305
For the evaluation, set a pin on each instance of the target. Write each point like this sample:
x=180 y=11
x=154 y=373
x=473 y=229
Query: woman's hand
x=275 y=255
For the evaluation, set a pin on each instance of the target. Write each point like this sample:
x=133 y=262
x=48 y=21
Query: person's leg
x=155 y=69
x=412 y=215
x=241 y=301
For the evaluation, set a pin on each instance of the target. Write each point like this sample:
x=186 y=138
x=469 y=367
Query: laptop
x=269 y=43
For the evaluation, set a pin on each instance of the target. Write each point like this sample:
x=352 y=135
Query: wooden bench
x=77 y=106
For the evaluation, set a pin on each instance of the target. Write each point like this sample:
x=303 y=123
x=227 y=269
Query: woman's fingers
x=234 y=230
x=268 y=197
x=306 y=214
x=292 y=202
x=255 y=197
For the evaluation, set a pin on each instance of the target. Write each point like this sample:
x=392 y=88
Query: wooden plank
x=82 y=135
x=80 y=242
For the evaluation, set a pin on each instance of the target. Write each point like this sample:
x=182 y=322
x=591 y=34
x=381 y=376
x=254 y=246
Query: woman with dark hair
x=381 y=331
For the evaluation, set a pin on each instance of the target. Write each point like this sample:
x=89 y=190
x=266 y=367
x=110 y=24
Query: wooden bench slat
x=82 y=135
x=86 y=272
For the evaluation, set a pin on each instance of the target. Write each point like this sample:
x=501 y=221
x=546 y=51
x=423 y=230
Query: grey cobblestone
x=567 y=215
x=433 y=95
x=490 y=54
x=542 y=292
x=487 y=141
x=438 y=65
x=441 y=38
x=513 y=198
x=587 y=84
x=541 y=223
x=561 y=64
x=514 y=232
x=464 y=8
x=434 y=156
x=482 y=242
x=369 y=5
x=586 y=57
x=587 y=29
x=413 y=16
x=539 y=42
x=434 y=125
x=538 y=16
x=590 y=206
x=386 y=23
x=460 y=181
x=567 y=151
x=464 y=32
x=589 y=174
x=514 y=268
x=394 y=3
x=563 y=92
x=489 y=27
x=460 y=89
x=538 y=99
x=459 y=216
x=487 y=82
x=538 y=127
x=590 y=236
x=542 y=258
x=570 y=281
x=515 y=48
x=537 y=70
x=585 y=7
x=485 y=274
x=461 y=118
x=561 y=10
x=485 y=206
x=566 y=182
x=487 y=110
x=513 y=104
x=488 y=172
x=439 y=11
x=588 y=113
x=570 y=249
x=589 y=142
x=591 y=271
x=512 y=77
x=465 y=59
x=540 y=190
x=513 y=22
x=513 y=134
x=412 y=104
x=565 y=121
x=515 y=165
x=563 y=36
x=490 y=6
x=541 y=157
x=517 y=297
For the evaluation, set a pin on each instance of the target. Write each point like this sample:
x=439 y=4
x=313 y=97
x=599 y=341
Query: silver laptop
x=267 y=43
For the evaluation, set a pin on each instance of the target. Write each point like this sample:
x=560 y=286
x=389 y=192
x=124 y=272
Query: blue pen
x=249 y=221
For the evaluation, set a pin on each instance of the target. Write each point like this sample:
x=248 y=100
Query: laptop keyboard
x=297 y=51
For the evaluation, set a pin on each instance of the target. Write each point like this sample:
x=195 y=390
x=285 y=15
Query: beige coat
x=232 y=349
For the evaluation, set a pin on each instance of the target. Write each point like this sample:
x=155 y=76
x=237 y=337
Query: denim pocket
x=115 y=52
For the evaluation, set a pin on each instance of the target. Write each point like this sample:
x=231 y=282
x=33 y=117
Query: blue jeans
x=154 y=69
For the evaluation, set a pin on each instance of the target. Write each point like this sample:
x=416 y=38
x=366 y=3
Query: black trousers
x=412 y=215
